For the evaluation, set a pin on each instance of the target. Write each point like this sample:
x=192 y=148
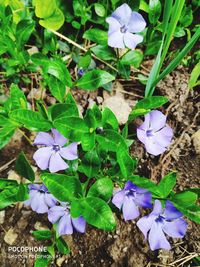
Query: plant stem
x=27 y=138
x=82 y=48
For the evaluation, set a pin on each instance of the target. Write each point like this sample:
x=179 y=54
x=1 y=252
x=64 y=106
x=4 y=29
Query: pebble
x=10 y=236
x=196 y=141
x=40 y=226
x=2 y=216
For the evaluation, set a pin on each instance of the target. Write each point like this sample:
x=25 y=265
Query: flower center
x=56 y=148
x=123 y=29
x=160 y=219
x=149 y=133
x=130 y=193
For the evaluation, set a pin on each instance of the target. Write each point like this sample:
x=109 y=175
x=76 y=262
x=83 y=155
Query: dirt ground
x=126 y=245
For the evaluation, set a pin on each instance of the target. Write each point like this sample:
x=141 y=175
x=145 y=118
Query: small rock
x=36 y=94
x=196 y=141
x=33 y=50
x=119 y=107
x=60 y=261
x=2 y=216
x=12 y=175
x=99 y=99
x=40 y=226
x=10 y=236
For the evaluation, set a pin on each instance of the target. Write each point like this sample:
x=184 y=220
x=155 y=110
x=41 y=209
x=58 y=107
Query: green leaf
x=13 y=194
x=6 y=134
x=99 y=9
x=111 y=140
x=145 y=183
x=43 y=260
x=6 y=182
x=96 y=35
x=94 y=79
x=17 y=97
x=185 y=199
x=62 y=246
x=88 y=141
x=193 y=81
x=108 y=117
x=23 y=167
x=192 y=211
x=42 y=234
x=24 y=30
x=133 y=58
x=51 y=17
x=126 y=163
x=31 y=119
x=64 y=188
x=90 y=164
x=154 y=11
x=57 y=89
x=57 y=69
x=167 y=184
x=102 y=188
x=103 y=52
x=97 y=213
x=71 y=127
x=63 y=110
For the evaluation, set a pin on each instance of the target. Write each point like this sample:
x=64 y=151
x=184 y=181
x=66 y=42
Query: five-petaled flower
x=50 y=156
x=154 y=133
x=40 y=199
x=161 y=221
x=130 y=199
x=65 y=223
x=122 y=24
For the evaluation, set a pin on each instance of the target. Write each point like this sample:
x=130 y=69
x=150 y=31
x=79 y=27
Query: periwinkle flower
x=65 y=223
x=154 y=133
x=50 y=156
x=130 y=199
x=122 y=24
x=40 y=199
x=160 y=222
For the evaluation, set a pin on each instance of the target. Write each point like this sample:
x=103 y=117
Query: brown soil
x=125 y=246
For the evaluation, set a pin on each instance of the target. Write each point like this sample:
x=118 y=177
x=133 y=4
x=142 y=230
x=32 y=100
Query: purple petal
x=38 y=204
x=79 y=224
x=136 y=22
x=144 y=200
x=65 y=225
x=129 y=185
x=56 y=163
x=130 y=210
x=49 y=200
x=164 y=136
x=145 y=223
x=175 y=229
x=122 y=14
x=69 y=152
x=116 y=39
x=171 y=212
x=132 y=40
x=34 y=187
x=146 y=124
x=114 y=25
x=157 y=238
x=141 y=135
x=55 y=213
x=152 y=147
x=118 y=199
x=59 y=138
x=43 y=138
x=42 y=156
x=157 y=120
x=157 y=209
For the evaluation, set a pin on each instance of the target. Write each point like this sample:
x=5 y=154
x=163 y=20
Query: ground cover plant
x=82 y=83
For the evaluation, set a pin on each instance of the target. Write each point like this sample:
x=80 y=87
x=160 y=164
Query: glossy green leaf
x=63 y=187
x=23 y=167
x=167 y=184
x=90 y=164
x=126 y=163
x=194 y=81
x=96 y=35
x=94 y=79
x=42 y=234
x=154 y=11
x=62 y=246
x=102 y=188
x=133 y=58
x=30 y=119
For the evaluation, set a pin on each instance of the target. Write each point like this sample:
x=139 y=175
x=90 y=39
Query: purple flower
x=161 y=221
x=40 y=199
x=65 y=223
x=51 y=155
x=130 y=199
x=154 y=133
x=122 y=24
